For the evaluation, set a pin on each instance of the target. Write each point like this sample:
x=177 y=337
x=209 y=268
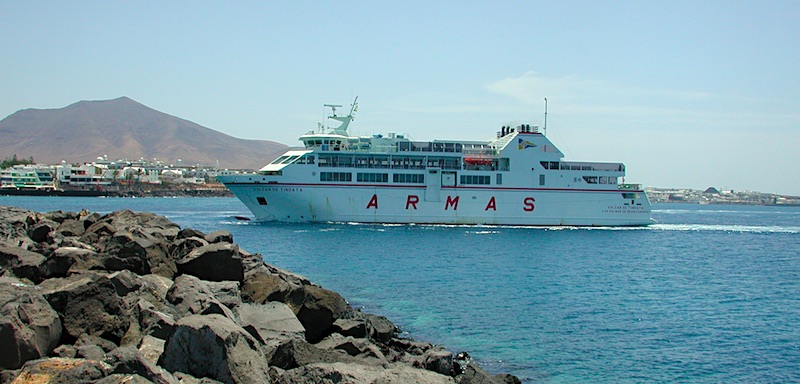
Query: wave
x=487 y=229
x=725 y=228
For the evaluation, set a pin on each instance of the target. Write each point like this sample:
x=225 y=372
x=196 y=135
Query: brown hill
x=123 y=128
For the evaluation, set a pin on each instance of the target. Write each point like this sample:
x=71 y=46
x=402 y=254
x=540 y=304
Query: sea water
x=709 y=294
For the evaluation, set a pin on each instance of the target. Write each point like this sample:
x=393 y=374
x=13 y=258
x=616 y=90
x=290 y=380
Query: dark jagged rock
x=352 y=346
x=214 y=262
x=146 y=222
x=123 y=252
x=317 y=308
x=214 y=346
x=191 y=297
x=97 y=231
x=82 y=260
x=295 y=353
x=409 y=346
x=14 y=223
x=438 y=360
x=29 y=327
x=154 y=322
x=184 y=245
x=65 y=350
x=132 y=297
x=261 y=285
x=157 y=285
x=227 y=292
x=473 y=374
x=87 y=339
x=60 y=216
x=87 y=303
x=356 y=373
x=189 y=232
x=40 y=232
x=128 y=360
x=70 y=228
x=125 y=282
x=157 y=254
x=151 y=348
x=57 y=264
x=357 y=328
x=62 y=370
x=382 y=329
x=141 y=253
x=89 y=218
x=23 y=263
x=91 y=352
x=219 y=237
x=270 y=321
x=122 y=378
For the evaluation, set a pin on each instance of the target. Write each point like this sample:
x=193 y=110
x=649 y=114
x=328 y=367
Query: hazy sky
x=685 y=93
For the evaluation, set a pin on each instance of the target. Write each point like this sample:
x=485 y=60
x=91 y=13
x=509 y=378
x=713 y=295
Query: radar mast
x=345 y=120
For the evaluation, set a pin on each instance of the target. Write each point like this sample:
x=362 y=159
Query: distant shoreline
x=727 y=203
x=149 y=191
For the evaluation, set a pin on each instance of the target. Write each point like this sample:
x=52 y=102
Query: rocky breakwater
x=131 y=297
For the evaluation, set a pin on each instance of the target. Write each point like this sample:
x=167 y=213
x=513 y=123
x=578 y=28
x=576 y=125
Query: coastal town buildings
x=713 y=195
x=104 y=174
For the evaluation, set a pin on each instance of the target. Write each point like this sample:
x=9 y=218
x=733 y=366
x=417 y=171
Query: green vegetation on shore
x=13 y=160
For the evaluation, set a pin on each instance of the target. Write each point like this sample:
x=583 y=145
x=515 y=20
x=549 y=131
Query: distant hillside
x=123 y=128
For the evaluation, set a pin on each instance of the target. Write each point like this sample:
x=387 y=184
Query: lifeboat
x=478 y=161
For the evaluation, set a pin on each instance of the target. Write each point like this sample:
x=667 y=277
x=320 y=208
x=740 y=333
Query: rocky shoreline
x=132 y=297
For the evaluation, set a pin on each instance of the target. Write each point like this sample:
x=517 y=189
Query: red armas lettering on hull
x=411 y=201
x=451 y=202
x=492 y=204
x=528 y=202
x=373 y=202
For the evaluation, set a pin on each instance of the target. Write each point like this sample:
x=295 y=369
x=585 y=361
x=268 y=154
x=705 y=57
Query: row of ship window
x=405 y=162
x=418 y=178
x=412 y=178
x=365 y=177
x=392 y=162
x=386 y=162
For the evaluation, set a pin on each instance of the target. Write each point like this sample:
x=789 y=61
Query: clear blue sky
x=686 y=93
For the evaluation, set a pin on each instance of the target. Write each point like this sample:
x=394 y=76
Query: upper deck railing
x=583 y=166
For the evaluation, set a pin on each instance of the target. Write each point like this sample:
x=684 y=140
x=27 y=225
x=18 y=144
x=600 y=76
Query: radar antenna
x=345 y=120
x=333 y=108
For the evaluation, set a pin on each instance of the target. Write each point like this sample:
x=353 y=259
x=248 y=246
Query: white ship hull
x=535 y=207
x=519 y=178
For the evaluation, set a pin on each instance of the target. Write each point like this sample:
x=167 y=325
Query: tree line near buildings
x=13 y=160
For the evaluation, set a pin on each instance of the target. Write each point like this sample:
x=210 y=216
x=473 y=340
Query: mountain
x=123 y=128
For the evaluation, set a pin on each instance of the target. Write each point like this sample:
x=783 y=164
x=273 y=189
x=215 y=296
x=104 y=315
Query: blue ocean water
x=709 y=294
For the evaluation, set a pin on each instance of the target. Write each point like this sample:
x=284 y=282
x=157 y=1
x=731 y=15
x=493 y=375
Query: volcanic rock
x=135 y=298
x=214 y=262
x=29 y=327
x=23 y=263
x=214 y=346
x=191 y=297
x=87 y=303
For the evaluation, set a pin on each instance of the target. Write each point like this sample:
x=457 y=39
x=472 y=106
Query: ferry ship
x=518 y=178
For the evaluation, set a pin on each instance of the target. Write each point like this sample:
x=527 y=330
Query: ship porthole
x=313 y=173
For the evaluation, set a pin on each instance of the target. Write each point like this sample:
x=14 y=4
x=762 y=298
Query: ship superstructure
x=518 y=178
